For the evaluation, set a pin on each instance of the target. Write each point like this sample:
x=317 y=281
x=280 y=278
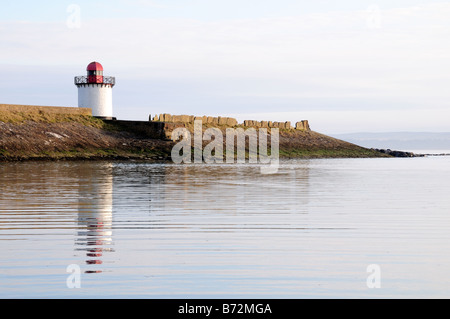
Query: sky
x=346 y=66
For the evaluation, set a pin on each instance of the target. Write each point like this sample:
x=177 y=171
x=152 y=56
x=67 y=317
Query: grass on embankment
x=90 y=154
x=46 y=135
x=44 y=117
x=356 y=152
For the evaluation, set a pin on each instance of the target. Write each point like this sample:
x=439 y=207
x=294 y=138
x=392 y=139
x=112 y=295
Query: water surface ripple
x=140 y=230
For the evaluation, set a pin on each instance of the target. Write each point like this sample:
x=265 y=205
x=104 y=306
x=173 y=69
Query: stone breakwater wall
x=15 y=108
x=302 y=125
x=169 y=118
x=228 y=121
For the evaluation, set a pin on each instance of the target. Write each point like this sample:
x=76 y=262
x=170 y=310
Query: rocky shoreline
x=394 y=153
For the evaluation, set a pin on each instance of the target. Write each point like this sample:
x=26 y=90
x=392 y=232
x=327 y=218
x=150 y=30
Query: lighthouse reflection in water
x=95 y=216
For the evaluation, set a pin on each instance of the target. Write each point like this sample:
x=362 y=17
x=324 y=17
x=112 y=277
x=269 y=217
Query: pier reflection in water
x=95 y=218
x=183 y=204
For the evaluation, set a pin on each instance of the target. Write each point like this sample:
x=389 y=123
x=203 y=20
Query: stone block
x=167 y=118
x=222 y=120
x=302 y=125
x=306 y=125
x=231 y=121
x=184 y=118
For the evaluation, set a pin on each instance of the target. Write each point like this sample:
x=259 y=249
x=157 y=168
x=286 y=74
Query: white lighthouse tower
x=95 y=91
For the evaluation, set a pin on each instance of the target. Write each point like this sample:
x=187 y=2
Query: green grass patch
x=330 y=153
x=3 y=152
x=43 y=117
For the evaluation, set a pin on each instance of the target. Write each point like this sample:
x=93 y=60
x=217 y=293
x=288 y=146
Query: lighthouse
x=95 y=91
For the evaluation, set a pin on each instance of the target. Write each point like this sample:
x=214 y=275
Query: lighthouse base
x=108 y=118
x=98 y=97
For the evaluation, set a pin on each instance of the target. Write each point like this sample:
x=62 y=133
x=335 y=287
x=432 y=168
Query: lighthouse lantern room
x=95 y=91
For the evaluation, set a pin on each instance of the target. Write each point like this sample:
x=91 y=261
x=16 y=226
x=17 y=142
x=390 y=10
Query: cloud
x=328 y=61
x=145 y=3
x=308 y=38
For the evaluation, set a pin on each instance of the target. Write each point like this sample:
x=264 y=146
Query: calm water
x=139 y=230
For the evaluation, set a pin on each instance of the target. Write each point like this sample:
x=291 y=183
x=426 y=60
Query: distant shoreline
x=435 y=154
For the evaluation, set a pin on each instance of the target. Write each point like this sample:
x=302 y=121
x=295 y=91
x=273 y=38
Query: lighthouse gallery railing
x=82 y=79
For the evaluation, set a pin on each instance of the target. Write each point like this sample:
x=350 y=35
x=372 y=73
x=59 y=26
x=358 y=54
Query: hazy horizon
x=405 y=141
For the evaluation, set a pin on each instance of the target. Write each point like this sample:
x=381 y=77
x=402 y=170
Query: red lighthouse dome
x=94 y=66
x=95 y=72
